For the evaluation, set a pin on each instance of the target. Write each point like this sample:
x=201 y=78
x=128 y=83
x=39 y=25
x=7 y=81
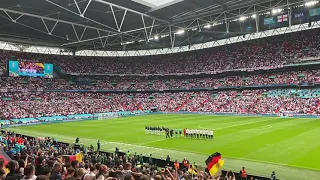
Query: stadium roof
x=128 y=24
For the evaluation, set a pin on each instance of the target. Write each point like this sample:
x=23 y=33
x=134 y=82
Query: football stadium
x=159 y=90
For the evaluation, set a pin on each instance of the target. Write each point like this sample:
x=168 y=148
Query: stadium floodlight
x=163 y=36
x=242 y=18
x=156 y=37
x=311 y=3
x=180 y=32
x=207 y=26
x=254 y=16
x=275 y=11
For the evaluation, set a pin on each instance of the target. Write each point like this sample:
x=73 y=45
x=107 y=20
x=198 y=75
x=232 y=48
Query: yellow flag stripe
x=215 y=168
x=79 y=157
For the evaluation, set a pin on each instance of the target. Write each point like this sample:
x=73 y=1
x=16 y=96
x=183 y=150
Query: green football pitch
x=289 y=146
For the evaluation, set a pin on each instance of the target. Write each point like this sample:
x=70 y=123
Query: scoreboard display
x=31 y=69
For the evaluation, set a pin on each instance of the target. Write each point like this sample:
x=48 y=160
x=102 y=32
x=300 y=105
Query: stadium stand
x=23 y=105
x=265 y=52
x=246 y=78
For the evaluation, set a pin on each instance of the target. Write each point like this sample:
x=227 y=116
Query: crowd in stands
x=269 y=51
x=33 y=105
x=44 y=158
x=40 y=161
x=277 y=78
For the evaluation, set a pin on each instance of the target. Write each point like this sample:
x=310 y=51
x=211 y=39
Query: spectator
x=129 y=177
x=80 y=174
x=30 y=173
x=273 y=176
x=42 y=177
x=243 y=173
x=56 y=173
x=2 y=171
x=13 y=167
x=40 y=167
x=70 y=172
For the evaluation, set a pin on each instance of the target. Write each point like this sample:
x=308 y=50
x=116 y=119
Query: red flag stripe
x=72 y=157
x=214 y=161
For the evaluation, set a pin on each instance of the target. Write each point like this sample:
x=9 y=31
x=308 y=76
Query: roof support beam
x=110 y=35
x=111 y=29
x=133 y=11
x=106 y=41
x=124 y=16
x=289 y=13
x=13 y=20
x=39 y=30
x=115 y=19
x=171 y=39
x=75 y=32
x=257 y=18
x=226 y=22
x=151 y=28
x=51 y=19
x=84 y=30
x=221 y=10
x=145 y=29
x=84 y=11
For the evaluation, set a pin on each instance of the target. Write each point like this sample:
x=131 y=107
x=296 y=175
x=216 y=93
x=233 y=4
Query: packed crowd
x=277 y=78
x=46 y=159
x=269 y=51
x=33 y=105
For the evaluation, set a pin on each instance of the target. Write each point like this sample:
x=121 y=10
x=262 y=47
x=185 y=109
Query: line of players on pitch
x=188 y=133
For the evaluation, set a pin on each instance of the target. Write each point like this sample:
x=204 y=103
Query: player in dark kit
x=167 y=133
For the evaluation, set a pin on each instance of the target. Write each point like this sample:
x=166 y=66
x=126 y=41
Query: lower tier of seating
x=35 y=105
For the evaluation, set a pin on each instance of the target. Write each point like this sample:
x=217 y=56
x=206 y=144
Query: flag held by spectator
x=6 y=160
x=192 y=171
x=283 y=18
x=78 y=157
x=214 y=163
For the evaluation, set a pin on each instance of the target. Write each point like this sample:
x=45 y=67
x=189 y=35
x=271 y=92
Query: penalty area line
x=200 y=125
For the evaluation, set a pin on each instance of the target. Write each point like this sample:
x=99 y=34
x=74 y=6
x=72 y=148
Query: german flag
x=214 y=163
x=6 y=159
x=78 y=157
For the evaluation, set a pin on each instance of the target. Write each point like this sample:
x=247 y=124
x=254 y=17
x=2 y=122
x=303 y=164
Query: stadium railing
x=74 y=117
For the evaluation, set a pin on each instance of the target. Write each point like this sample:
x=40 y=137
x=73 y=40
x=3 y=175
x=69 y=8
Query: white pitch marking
x=264 y=127
x=199 y=126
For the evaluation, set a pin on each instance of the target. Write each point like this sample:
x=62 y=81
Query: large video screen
x=32 y=69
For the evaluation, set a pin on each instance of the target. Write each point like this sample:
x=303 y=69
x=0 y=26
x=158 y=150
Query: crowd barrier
x=73 y=117
x=271 y=86
x=101 y=116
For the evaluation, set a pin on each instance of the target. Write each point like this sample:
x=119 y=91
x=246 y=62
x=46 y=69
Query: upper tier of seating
x=269 y=51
